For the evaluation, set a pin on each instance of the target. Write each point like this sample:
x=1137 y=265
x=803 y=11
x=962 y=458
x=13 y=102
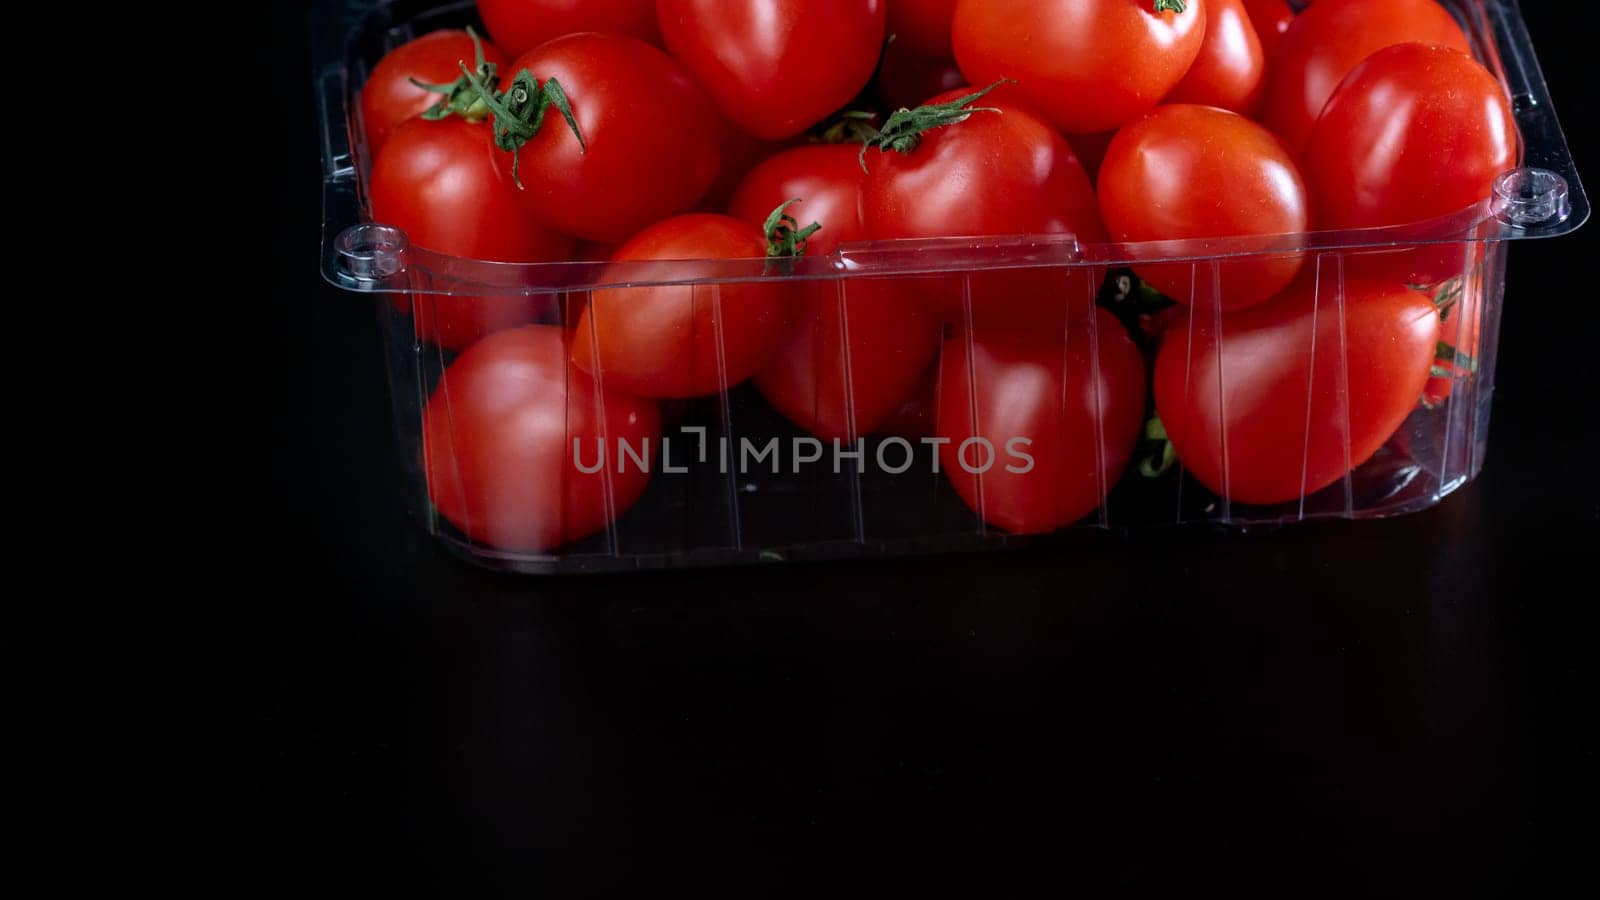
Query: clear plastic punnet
x=1001 y=439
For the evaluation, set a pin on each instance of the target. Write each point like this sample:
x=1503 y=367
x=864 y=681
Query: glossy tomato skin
x=389 y=98
x=684 y=341
x=922 y=27
x=1087 y=65
x=1271 y=19
x=498 y=444
x=1234 y=397
x=1231 y=69
x=1193 y=172
x=441 y=183
x=652 y=138
x=521 y=25
x=1329 y=40
x=857 y=347
x=1078 y=408
x=776 y=67
x=995 y=174
x=1415 y=132
x=906 y=79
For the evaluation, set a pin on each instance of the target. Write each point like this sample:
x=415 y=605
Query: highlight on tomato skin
x=1036 y=431
x=1256 y=406
x=513 y=441
x=1271 y=19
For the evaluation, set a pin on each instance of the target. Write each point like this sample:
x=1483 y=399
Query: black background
x=1378 y=706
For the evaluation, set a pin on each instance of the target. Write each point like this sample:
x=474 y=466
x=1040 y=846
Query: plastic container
x=705 y=506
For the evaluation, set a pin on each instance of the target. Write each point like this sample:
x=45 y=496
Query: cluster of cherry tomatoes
x=644 y=130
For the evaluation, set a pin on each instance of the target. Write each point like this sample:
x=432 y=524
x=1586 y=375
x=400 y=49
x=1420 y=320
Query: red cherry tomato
x=650 y=137
x=684 y=340
x=499 y=438
x=1271 y=19
x=441 y=183
x=521 y=25
x=1415 y=132
x=996 y=173
x=1087 y=65
x=389 y=97
x=1231 y=68
x=858 y=346
x=922 y=28
x=776 y=67
x=1038 y=433
x=1194 y=172
x=1330 y=39
x=905 y=79
x=1234 y=397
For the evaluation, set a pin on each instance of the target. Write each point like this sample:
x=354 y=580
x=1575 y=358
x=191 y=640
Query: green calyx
x=1176 y=6
x=1448 y=296
x=902 y=133
x=519 y=111
x=1455 y=357
x=786 y=240
x=1157 y=456
x=460 y=98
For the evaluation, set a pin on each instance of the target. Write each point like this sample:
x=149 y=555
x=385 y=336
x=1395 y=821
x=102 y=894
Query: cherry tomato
x=776 y=67
x=1271 y=19
x=996 y=173
x=441 y=183
x=684 y=340
x=1193 y=172
x=1234 y=397
x=650 y=138
x=1087 y=65
x=1231 y=68
x=922 y=28
x=389 y=98
x=508 y=437
x=1415 y=132
x=521 y=25
x=905 y=79
x=857 y=346
x=1038 y=433
x=1330 y=39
